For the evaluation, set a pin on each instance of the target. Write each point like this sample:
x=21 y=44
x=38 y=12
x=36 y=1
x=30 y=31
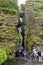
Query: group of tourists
x=35 y=55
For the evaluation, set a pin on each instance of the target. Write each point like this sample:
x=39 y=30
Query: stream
x=21 y=52
x=20 y=32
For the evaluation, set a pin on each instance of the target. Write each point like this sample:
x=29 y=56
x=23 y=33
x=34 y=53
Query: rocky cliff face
x=8 y=31
x=33 y=23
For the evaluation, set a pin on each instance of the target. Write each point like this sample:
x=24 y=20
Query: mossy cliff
x=33 y=23
x=8 y=31
x=8 y=24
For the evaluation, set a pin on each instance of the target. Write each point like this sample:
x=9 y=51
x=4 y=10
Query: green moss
x=8 y=33
x=34 y=20
x=8 y=7
x=41 y=33
x=17 y=37
x=4 y=51
x=2 y=18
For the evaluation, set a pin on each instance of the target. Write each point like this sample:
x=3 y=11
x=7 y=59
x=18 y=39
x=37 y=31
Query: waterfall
x=21 y=37
x=21 y=51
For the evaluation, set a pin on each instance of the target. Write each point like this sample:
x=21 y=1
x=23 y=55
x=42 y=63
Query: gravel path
x=26 y=61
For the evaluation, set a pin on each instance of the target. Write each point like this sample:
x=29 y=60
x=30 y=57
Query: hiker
x=31 y=56
x=35 y=51
x=35 y=54
x=39 y=56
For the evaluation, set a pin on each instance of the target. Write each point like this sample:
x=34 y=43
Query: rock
x=33 y=24
x=8 y=31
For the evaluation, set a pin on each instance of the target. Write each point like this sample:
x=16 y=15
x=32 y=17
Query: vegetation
x=8 y=32
x=33 y=23
x=8 y=6
x=9 y=37
x=4 y=53
x=22 y=7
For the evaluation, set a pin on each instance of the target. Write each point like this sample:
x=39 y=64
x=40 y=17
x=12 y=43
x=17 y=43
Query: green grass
x=8 y=6
x=42 y=64
x=4 y=53
x=8 y=10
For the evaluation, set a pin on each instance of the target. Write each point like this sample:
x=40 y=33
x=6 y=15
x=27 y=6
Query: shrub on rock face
x=8 y=6
x=3 y=56
x=34 y=23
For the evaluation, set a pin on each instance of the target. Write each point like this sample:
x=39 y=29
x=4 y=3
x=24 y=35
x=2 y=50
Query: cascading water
x=21 y=51
x=20 y=30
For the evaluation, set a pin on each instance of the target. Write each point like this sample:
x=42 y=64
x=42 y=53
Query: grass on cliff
x=8 y=6
x=4 y=53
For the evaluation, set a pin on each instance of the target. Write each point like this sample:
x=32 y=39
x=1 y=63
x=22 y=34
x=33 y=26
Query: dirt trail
x=26 y=61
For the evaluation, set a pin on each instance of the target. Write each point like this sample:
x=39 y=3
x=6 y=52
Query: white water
x=21 y=47
x=21 y=37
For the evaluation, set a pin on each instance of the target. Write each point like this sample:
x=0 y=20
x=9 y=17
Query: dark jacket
x=39 y=53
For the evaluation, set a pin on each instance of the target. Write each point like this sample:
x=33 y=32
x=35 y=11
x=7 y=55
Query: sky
x=21 y=2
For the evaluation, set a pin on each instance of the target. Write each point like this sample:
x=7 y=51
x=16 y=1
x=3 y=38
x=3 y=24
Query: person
x=35 y=51
x=31 y=56
x=35 y=54
x=40 y=58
